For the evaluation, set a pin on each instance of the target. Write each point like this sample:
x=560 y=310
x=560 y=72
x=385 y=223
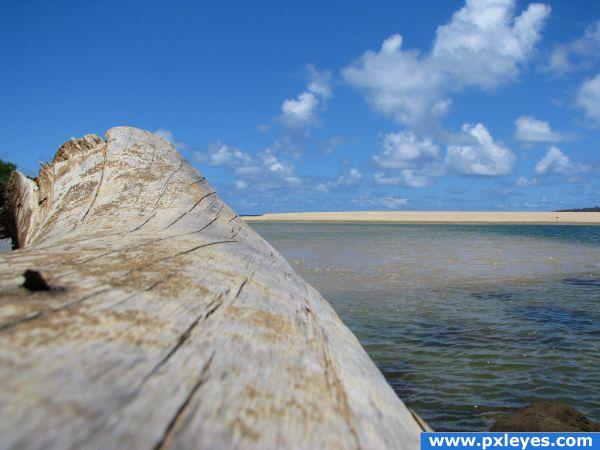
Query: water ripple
x=465 y=322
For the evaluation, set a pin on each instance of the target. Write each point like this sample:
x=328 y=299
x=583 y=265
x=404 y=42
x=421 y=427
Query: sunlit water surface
x=464 y=321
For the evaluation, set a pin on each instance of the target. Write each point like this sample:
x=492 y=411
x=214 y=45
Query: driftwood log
x=140 y=312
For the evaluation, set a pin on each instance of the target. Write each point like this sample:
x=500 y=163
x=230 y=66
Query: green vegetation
x=6 y=169
x=590 y=209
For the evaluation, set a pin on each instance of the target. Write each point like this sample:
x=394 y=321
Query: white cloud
x=319 y=82
x=479 y=155
x=404 y=149
x=484 y=45
x=220 y=154
x=168 y=136
x=411 y=179
x=555 y=162
x=293 y=180
x=252 y=170
x=411 y=159
x=165 y=134
x=588 y=98
x=531 y=130
x=406 y=177
x=278 y=167
x=392 y=202
x=576 y=55
x=352 y=178
x=265 y=169
x=302 y=110
x=397 y=82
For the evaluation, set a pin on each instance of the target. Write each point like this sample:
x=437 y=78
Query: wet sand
x=592 y=218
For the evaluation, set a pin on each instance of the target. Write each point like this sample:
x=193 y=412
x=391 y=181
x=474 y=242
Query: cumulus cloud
x=555 y=162
x=319 y=82
x=265 y=169
x=352 y=178
x=220 y=154
x=408 y=158
x=404 y=149
x=273 y=167
x=302 y=110
x=479 y=155
x=531 y=130
x=588 y=98
x=278 y=167
x=484 y=45
x=400 y=83
x=578 y=54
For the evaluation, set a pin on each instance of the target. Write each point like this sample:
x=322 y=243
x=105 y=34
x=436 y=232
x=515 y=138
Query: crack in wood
x=167 y=184
x=189 y=210
x=183 y=337
x=150 y=242
x=204 y=227
x=143 y=223
x=148 y=289
x=38 y=314
x=166 y=258
x=332 y=379
x=242 y=284
x=105 y=160
x=210 y=309
x=171 y=428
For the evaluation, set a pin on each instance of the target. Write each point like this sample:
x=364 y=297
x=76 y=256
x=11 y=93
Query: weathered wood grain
x=169 y=323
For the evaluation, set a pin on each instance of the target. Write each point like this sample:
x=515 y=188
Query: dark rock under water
x=546 y=416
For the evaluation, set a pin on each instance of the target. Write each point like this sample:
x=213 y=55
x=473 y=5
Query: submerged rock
x=546 y=416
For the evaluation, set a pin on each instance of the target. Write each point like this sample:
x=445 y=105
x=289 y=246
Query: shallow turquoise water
x=463 y=320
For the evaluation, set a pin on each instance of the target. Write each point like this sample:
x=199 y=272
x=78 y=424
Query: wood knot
x=34 y=281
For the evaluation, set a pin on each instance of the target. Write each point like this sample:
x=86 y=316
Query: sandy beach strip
x=590 y=218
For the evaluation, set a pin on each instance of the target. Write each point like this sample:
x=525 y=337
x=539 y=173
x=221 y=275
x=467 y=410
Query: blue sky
x=311 y=106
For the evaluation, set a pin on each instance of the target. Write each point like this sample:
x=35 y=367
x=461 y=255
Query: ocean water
x=464 y=321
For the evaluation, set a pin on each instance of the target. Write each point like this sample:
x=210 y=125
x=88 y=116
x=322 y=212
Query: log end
x=142 y=312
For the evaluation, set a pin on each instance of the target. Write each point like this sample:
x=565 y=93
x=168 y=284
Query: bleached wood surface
x=169 y=322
